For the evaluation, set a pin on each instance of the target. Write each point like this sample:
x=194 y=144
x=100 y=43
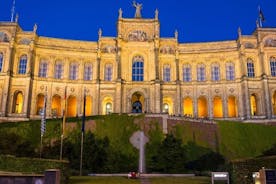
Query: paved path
x=144 y=181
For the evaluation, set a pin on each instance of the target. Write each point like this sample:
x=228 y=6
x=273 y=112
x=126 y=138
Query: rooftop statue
x=138 y=9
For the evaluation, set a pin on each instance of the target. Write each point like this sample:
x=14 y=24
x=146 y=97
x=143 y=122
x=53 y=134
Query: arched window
x=88 y=72
x=1 y=62
x=250 y=68
x=18 y=102
x=108 y=108
x=73 y=72
x=58 y=70
x=108 y=72
x=166 y=108
x=138 y=69
x=273 y=66
x=201 y=73
x=43 y=66
x=167 y=73
x=215 y=73
x=230 y=71
x=22 y=65
x=187 y=73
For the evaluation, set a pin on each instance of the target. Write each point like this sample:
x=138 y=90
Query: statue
x=35 y=28
x=239 y=32
x=120 y=13
x=176 y=34
x=100 y=32
x=138 y=9
x=156 y=14
x=16 y=18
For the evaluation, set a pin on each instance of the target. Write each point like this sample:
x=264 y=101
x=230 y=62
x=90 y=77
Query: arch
x=107 y=105
x=4 y=37
x=188 y=107
x=56 y=106
x=232 y=106
x=71 y=106
x=253 y=104
x=217 y=107
x=18 y=102
x=137 y=102
x=39 y=103
x=167 y=106
x=88 y=106
x=202 y=107
x=274 y=103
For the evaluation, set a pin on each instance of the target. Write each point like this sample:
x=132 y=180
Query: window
x=88 y=72
x=167 y=73
x=250 y=68
x=215 y=73
x=108 y=72
x=230 y=71
x=201 y=73
x=73 y=72
x=273 y=66
x=22 y=65
x=43 y=69
x=187 y=73
x=108 y=108
x=1 y=62
x=58 y=71
x=138 y=69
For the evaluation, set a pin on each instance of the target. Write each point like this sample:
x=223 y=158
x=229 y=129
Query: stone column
x=158 y=99
x=225 y=105
x=156 y=60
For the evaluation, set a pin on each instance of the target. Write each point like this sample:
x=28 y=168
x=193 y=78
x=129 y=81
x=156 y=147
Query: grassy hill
x=231 y=139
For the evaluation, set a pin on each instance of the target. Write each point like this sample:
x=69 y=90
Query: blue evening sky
x=195 y=20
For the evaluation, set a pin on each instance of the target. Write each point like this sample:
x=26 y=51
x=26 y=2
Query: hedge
x=242 y=170
x=34 y=165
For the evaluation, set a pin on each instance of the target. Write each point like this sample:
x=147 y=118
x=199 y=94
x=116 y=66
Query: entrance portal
x=137 y=101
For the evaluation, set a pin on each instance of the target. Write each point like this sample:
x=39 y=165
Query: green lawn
x=124 y=180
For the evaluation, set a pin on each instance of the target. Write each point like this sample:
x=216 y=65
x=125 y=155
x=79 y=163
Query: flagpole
x=82 y=130
x=63 y=123
x=40 y=146
x=43 y=122
x=12 y=10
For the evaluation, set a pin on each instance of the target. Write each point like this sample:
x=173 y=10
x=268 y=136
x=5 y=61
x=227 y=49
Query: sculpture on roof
x=138 y=9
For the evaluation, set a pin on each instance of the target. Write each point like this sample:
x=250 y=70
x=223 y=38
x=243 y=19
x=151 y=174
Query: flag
x=83 y=116
x=261 y=15
x=43 y=116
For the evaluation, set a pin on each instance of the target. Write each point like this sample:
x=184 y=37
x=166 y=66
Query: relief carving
x=138 y=35
x=25 y=41
x=270 y=42
x=167 y=50
x=109 y=49
x=249 y=45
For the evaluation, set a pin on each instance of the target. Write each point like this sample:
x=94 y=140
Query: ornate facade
x=137 y=71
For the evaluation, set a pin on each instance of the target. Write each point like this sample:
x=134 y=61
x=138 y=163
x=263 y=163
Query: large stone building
x=137 y=71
